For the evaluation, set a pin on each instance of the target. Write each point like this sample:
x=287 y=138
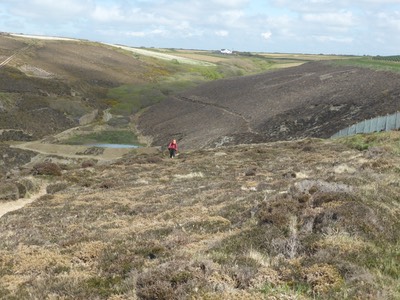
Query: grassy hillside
x=302 y=219
x=315 y=99
x=67 y=79
x=307 y=219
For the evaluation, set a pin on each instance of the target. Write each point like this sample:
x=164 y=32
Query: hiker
x=173 y=148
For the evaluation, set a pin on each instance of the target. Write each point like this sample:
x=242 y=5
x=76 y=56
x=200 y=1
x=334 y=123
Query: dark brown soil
x=313 y=100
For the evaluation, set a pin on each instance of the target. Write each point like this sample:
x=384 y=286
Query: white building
x=226 y=51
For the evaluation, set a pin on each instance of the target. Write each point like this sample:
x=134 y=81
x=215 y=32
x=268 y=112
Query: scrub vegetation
x=253 y=207
x=306 y=219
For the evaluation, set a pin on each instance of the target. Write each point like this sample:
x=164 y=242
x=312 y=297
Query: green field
x=375 y=63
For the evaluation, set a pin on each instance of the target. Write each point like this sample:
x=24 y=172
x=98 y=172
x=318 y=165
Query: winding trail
x=223 y=108
x=20 y=203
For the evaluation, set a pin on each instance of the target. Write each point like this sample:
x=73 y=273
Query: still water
x=115 y=146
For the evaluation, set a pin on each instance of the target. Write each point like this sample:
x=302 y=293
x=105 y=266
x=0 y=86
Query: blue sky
x=370 y=27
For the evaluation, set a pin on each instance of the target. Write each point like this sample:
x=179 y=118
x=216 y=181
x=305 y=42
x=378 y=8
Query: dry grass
x=201 y=227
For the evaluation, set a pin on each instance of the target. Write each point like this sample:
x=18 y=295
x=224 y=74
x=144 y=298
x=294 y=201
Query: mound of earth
x=316 y=99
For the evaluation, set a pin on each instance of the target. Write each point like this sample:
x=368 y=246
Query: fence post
x=386 y=123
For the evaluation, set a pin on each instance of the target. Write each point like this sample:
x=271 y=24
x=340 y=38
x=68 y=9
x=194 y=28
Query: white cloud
x=228 y=3
x=222 y=33
x=48 y=9
x=266 y=35
x=136 y=34
x=389 y=20
x=107 y=14
x=336 y=18
x=330 y=25
x=324 y=38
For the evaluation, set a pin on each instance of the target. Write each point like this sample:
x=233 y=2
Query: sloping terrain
x=48 y=85
x=315 y=99
x=307 y=219
x=303 y=219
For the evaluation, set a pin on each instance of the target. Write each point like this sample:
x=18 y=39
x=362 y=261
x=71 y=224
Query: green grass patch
x=129 y=99
x=389 y=140
x=107 y=137
x=298 y=289
x=358 y=142
x=371 y=63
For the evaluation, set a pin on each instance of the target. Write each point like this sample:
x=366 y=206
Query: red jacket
x=173 y=146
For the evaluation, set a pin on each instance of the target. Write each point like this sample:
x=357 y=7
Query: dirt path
x=8 y=59
x=223 y=108
x=15 y=205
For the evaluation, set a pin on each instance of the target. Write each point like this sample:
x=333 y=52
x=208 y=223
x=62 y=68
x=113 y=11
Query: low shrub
x=88 y=163
x=56 y=187
x=8 y=191
x=173 y=280
x=46 y=168
x=108 y=184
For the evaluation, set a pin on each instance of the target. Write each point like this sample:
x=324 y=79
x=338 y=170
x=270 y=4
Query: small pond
x=115 y=146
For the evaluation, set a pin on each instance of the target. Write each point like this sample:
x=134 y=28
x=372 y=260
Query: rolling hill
x=315 y=99
x=257 y=205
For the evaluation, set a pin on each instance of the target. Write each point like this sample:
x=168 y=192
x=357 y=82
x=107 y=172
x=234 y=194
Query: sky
x=356 y=27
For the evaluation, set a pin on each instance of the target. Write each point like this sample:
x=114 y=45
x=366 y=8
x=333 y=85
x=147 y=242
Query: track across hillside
x=8 y=59
x=224 y=109
x=316 y=99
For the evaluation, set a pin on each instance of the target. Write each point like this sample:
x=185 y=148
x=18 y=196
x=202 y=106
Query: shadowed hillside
x=315 y=99
x=307 y=219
